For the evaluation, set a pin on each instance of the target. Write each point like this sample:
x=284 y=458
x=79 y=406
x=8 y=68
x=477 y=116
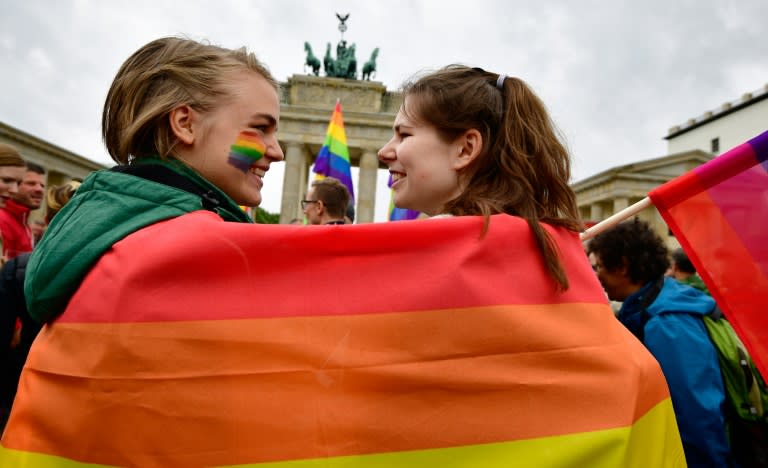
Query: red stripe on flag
x=676 y=191
x=391 y=267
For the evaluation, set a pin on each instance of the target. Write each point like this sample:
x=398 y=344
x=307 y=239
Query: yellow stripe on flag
x=338 y=134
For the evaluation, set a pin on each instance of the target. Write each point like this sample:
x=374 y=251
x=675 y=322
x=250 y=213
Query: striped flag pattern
x=718 y=212
x=333 y=159
x=423 y=344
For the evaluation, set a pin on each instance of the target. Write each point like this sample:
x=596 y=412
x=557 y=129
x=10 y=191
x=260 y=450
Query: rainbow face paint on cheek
x=248 y=148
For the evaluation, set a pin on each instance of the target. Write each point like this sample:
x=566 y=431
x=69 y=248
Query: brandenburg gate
x=306 y=106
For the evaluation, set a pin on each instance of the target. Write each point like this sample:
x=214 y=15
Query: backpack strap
x=653 y=292
x=744 y=358
x=716 y=313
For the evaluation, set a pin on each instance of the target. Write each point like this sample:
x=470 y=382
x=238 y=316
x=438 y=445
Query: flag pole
x=615 y=219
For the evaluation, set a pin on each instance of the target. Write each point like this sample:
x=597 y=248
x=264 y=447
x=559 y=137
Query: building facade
x=615 y=189
x=61 y=165
x=688 y=146
x=721 y=129
x=306 y=105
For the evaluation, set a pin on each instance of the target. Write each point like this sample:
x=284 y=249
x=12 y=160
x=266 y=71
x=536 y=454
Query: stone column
x=619 y=203
x=293 y=184
x=366 y=185
x=596 y=212
x=303 y=185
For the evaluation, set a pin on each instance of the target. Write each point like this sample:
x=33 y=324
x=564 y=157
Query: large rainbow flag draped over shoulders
x=333 y=159
x=421 y=344
x=719 y=213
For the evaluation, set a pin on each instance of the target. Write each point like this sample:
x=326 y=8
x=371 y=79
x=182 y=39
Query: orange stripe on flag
x=333 y=380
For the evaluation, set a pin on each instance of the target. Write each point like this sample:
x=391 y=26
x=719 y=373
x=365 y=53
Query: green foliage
x=265 y=217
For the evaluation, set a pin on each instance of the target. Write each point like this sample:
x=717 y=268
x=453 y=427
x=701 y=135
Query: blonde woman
x=172 y=115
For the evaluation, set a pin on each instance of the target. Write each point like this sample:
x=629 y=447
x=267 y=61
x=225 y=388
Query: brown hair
x=158 y=77
x=334 y=194
x=9 y=156
x=58 y=196
x=523 y=168
x=36 y=168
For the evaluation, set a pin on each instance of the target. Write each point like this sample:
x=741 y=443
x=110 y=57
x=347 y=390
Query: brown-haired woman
x=471 y=142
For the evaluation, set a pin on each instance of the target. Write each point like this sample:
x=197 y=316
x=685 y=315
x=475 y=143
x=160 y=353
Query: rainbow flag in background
x=399 y=214
x=451 y=350
x=719 y=213
x=333 y=159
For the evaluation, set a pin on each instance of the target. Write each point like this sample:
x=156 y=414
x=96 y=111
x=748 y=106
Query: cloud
x=614 y=75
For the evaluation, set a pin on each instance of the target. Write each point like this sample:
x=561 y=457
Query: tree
x=265 y=217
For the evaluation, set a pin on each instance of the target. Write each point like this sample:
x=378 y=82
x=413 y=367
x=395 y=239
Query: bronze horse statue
x=345 y=64
x=311 y=61
x=369 y=67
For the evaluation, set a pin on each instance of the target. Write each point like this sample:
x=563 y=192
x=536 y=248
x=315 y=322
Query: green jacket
x=107 y=207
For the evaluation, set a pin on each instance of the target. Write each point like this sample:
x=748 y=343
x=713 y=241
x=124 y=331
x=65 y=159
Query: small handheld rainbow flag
x=333 y=159
x=715 y=212
x=248 y=148
x=399 y=214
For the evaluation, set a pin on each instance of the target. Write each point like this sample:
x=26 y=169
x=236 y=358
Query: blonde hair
x=160 y=76
x=58 y=196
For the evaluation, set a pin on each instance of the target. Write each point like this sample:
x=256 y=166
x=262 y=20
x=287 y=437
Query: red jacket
x=17 y=237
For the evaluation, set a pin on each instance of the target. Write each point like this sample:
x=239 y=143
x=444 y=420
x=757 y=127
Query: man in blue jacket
x=630 y=260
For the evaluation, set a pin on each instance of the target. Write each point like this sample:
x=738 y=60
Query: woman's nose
x=274 y=151
x=387 y=153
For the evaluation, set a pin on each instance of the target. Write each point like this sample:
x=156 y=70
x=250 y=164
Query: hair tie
x=500 y=82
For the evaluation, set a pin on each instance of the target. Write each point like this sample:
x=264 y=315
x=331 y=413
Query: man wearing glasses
x=326 y=202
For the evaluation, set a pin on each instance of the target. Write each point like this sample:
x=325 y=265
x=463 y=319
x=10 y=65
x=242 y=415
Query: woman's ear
x=181 y=119
x=470 y=147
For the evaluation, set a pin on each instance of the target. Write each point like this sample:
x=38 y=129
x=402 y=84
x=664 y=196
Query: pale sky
x=614 y=75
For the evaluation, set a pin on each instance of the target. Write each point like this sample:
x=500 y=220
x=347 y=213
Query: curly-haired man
x=630 y=260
